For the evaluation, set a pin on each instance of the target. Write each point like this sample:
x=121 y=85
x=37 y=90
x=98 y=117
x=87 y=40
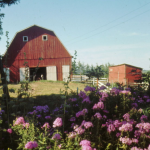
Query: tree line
x=79 y=68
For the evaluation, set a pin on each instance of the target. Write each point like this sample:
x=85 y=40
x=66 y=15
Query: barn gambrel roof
x=30 y=27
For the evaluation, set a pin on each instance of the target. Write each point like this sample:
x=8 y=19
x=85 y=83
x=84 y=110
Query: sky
x=101 y=31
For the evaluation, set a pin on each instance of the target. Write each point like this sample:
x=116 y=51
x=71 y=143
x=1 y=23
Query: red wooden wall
x=52 y=51
x=124 y=73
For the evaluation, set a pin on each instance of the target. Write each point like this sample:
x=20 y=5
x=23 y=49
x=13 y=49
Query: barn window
x=25 y=38
x=44 y=37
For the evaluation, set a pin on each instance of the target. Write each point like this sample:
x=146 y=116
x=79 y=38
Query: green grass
x=44 y=88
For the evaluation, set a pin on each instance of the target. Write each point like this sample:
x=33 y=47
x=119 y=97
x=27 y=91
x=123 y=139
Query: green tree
x=74 y=65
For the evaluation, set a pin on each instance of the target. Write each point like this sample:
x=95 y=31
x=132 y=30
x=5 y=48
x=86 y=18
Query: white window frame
x=43 y=37
x=25 y=40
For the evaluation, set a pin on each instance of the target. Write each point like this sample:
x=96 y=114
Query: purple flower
x=87 y=100
x=99 y=105
x=57 y=122
x=85 y=143
x=19 y=120
x=98 y=115
x=9 y=130
x=88 y=124
x=108 y=84
x=56 y=136
x=46 y=125
x=39 y=116
x=125 y=92
x=48 y=117
x=31 y=145
x=1 y=111
x=126 y=127
x=82 y=95
x=126 y=117
x=73 y=119
x=88 y=88
x=118 y=134
x=143 y=117
x=134 y=105
x=45 y=108
x=81 y=113
x=111 y=128
x=79 y=130
x=72 y=135
x=26 y=125
x=73 y=99
x=102 y=87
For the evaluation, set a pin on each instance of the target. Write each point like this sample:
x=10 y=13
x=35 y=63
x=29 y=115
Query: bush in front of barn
x=92 y=120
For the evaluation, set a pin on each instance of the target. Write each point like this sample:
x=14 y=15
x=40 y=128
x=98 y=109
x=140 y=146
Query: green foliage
x=96 y=72
x=74 y=65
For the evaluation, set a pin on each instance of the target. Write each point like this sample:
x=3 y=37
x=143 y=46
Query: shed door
x=51 y=73
x=65 y=72
x=7 y=72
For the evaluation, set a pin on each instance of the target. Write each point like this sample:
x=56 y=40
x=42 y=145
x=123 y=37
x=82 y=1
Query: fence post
x=93 y=81
x=81 y=78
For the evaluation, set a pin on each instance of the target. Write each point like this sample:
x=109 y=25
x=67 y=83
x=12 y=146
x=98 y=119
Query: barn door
x=22 y=74
x=65 y=72
x=51 y=73
x=7 y=72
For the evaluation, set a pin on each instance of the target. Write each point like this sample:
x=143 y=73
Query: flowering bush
x=91 y=120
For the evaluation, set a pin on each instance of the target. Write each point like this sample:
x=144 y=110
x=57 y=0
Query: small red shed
x=37 y=42
x=124 y=73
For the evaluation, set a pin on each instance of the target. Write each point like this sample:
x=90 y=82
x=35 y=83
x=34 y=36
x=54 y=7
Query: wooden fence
x=91 y=81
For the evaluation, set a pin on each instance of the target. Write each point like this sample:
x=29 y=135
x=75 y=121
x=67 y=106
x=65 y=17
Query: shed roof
x=127 y=65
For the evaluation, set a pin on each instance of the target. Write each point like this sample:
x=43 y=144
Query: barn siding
x=117 y=74
x=131 y=76
x=52 y=51
x=122 y=74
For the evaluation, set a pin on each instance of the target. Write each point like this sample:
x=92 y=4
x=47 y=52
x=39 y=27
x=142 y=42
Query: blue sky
x=114 y=31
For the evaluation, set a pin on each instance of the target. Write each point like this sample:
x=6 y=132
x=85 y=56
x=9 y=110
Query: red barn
x=124 y=73
x=37 y=42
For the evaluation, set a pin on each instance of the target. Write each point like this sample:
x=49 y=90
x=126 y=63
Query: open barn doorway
x=37 y=73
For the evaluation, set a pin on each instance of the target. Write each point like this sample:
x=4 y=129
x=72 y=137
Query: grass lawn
x=45 y=90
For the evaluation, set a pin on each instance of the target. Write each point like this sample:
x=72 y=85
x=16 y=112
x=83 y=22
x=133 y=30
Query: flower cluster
x=88 y=88
x=45 y=108
x=81 y=113
x=19 y=121
x=56 y=136
x=57 y=122
x=98 y=115
x=126 y=127
x=87 y=100
x=46 y=125
x=31 y=145
x=86 y=145
x=99 y=105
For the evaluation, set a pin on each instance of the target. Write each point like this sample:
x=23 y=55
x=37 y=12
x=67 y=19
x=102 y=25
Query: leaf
x=21 y=99
x=12 y=90
x=11 y=102
x=13 y=114
x=13 y=106
x=41 y=142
